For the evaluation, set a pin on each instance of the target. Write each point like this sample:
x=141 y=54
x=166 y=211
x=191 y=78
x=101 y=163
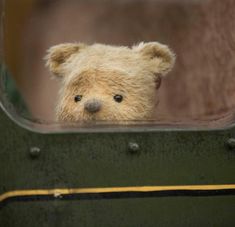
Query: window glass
x=197 y=93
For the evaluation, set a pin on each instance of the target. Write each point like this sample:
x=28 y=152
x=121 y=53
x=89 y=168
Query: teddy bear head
x=102 y=82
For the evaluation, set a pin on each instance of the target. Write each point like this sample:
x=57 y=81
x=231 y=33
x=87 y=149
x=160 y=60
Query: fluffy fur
x=99 y=72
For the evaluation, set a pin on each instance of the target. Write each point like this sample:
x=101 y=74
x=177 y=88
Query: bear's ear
x=161 y=57
x=59 y=54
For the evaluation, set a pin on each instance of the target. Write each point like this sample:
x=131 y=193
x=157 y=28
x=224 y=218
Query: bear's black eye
x=78 y=98
x=118 y=98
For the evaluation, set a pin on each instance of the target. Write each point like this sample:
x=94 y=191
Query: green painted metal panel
x=104 y=160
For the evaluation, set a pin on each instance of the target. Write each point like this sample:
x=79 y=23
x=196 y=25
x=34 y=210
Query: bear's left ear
x=58 y=55
x=162 y=59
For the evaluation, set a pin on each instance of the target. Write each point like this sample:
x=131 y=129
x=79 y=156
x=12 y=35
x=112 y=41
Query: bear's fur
x=98 y=73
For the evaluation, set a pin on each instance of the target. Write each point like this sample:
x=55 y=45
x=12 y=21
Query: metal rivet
x=133 y=147
x=35 y=152
x=231 y=143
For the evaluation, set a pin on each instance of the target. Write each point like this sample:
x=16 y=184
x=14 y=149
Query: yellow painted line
x=58 y=192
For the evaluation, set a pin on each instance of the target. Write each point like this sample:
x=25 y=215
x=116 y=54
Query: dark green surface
x=216 y=212
x=12 y=93
x=103 y=160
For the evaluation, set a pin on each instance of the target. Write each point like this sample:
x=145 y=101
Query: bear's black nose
x=93 y=106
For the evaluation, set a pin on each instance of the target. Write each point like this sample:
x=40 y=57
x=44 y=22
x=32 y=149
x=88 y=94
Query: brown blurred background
x=201 y=32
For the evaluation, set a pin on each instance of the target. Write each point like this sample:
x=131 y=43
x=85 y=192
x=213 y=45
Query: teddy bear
x=108 y=83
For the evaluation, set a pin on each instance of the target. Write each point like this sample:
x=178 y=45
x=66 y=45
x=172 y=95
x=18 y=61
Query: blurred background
x=201 y=32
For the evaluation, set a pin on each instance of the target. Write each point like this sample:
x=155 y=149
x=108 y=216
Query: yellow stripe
x=58 y=192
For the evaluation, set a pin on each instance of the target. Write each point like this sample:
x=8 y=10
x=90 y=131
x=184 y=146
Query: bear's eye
x=118 y=98
x=78 y=98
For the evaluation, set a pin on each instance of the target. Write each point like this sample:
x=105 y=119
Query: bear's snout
x=93 y=106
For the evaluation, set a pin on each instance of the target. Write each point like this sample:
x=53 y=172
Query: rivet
x=133 y=147
x=231 y=143
x=34 y=152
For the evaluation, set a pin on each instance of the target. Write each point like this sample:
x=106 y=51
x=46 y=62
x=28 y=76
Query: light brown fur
x=99 y=72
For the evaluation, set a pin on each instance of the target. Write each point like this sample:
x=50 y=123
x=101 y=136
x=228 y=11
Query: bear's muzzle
x=92 y=106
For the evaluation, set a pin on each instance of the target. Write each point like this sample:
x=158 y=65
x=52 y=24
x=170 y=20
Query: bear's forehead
x=95 y=76
x=108 y=65
x=108 y=80
x=107 y=59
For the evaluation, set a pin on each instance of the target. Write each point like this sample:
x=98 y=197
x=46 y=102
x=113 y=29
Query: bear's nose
x=93 y=106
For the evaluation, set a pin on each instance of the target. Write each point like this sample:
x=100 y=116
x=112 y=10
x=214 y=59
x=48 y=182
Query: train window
x=194 y=90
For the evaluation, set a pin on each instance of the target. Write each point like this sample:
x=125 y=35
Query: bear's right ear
x=59 y=54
